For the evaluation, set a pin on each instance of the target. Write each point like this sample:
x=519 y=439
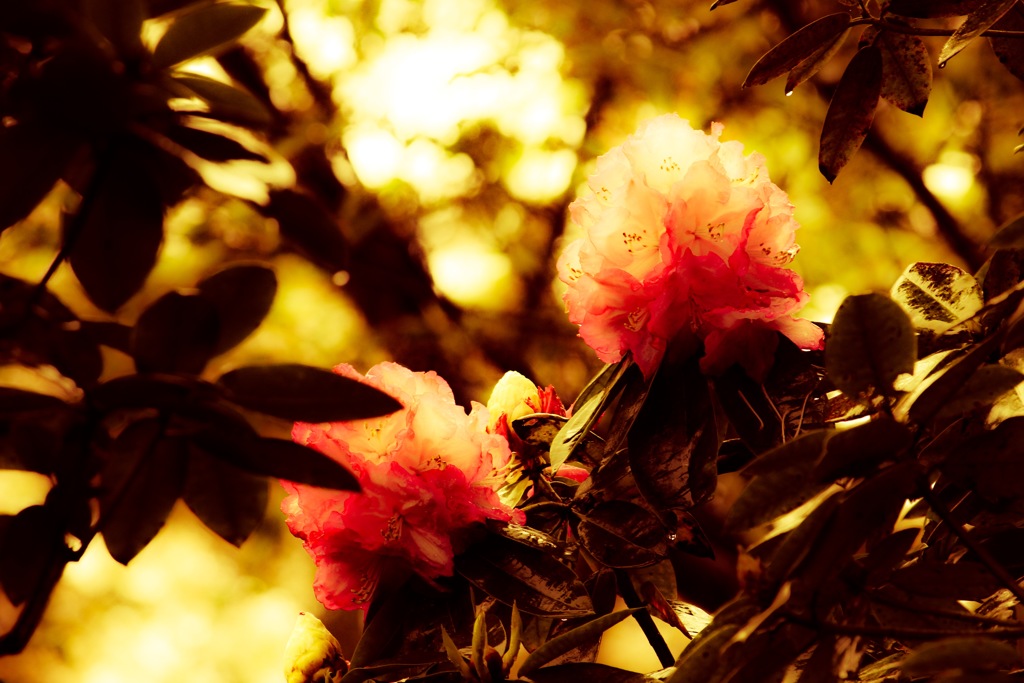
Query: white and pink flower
x=684 y=234
x=428 y=472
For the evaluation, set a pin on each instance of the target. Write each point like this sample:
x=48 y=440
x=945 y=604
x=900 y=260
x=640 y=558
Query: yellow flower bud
x=514 y=395
x=313 y=654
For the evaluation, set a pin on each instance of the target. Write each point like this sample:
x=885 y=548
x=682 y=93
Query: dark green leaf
x=242 y=296
x=211 y=146
x=230 y=501
x=871 y=342
x=1010 y=234
x=993 y=462
x=114 y=335
x=142 y=477
x=121 y=234
x=981 y=18
x=813 y=63
x=800 y=541
x=932 y=9
x=226 y=102
x=906 y=68
x=798 y=47
x=571 y=639
x=673 y=444
x=621 y=534
x=962 y=581
x=1010 y=51
x=851 y=111
x=278 y=458
x=533 y=580
x=309 y=227
x=981 y=390
x=43 y=441
x=587 y=409
x=858 y=451
x=969 y=653
x=178 y=333
x=163 y=392
x=783 y=484
x=587 y=671
x=204 y=29
x=937 y=295
x=16 y=402
x=933 y=394
x=42 y=154
x=304 y=393
x=702 y=658
x=30 y=545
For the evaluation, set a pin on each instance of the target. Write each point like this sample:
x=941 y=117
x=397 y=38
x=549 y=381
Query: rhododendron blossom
x=428 y=472
x=684 y=234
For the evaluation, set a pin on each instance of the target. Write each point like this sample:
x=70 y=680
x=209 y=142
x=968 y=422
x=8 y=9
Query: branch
x=643 y=618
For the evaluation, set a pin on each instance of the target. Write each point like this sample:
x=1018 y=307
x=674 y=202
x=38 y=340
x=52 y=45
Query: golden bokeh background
x=467 y=126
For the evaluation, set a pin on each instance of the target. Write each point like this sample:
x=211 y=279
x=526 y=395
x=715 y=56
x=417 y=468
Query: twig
x=644 y=618
x=986 y=558
x=939 y=32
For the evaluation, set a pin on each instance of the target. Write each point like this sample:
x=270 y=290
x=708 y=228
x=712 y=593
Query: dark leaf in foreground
x=1010 y=51
x=122 y=232
x=279 y=458
x=226 y=102
x=587 y=409
x=983 y=15
x=967 y=653
x=178 y=333
x=304 y=393
x=230 y=502
x=906 y=69
x=532 y=579
x=851 y=111
x=309 y=227
x=204 y=29
x=799 y=46
x=673 y=444
x=141 y=479
x=622 y=534
x=565 y=642
x=30 y=544
x=35 y=157
x=871 y=343
x=211 y=146
x=242 y=296
x=586 y=671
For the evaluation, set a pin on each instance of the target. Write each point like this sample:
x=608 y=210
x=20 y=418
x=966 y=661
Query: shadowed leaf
x=569 y=640
x=121 y=234
x=15 y=402
x=1010 y=234
x=228 y=500
x=935 y=392
x=906 y=69
x=992 y=462
x=304 y=393
x=981 y=18
x=673 y=444
x=856 y=452
x=202 y=30
x=982 y=389
x=36 y=156
x=1010 y=51
x=851 y=111
x=937 y=295
x=587 y=671
x=800 y=46
x=226 y=102
x=587 y=409
x=871 y=342
x=30 y=542
x=242 y=296
x=120 y=21
x=211 y=146
x=621 y=534
x=813 y=63
x=968 y=653
x=963 y=581
x=141 y=478
x=309 y=227
x=533 y=580
x=176 y=334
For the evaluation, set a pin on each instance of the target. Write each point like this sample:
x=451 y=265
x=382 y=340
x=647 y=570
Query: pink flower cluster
x=684 y=235
x=427 y=472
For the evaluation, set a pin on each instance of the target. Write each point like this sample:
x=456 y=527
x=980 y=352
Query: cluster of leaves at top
x=895 y=454
x=892 y=61
x=87 y=103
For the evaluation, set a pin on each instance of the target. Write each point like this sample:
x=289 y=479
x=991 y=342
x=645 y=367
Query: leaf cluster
x=892 y=61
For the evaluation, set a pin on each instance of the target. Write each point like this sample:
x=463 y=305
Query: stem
x=644 y=618
x=998 y=570
x=916 y=31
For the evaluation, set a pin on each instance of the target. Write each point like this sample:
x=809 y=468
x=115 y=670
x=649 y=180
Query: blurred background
x=448 y=137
